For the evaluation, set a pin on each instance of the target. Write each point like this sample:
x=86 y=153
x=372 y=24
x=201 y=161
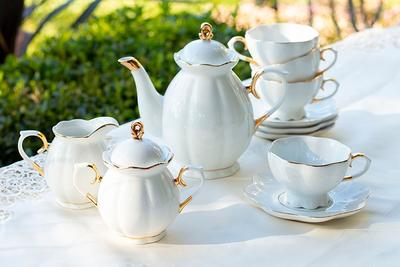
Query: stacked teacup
x=294 y=49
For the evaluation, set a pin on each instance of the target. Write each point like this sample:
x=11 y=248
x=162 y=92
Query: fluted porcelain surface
x=76 y=141
x=310 y=167
x=137 y=205
x=207 y=120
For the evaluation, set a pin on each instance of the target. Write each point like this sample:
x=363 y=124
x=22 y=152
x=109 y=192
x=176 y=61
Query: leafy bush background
x=76 y=74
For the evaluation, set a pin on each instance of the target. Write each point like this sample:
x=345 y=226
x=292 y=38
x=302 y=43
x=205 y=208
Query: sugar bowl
x=138 y=197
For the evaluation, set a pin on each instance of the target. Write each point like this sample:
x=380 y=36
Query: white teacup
x=276 y=43
x=298 y=95
x=310 y=167
x=304 y=67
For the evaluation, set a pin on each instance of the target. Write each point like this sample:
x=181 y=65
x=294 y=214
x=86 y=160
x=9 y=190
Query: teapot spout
x=149 y=100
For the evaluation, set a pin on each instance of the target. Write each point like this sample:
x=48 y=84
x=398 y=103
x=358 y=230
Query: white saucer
x=347 y=199
x=297 y=130
x=274 y=136
x=315 y=113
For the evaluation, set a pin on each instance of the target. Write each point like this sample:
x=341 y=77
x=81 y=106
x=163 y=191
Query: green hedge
x=76 y=75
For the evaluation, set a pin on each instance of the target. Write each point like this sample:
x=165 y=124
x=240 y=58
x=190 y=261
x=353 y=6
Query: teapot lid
x=206 y=51
x=138 y=152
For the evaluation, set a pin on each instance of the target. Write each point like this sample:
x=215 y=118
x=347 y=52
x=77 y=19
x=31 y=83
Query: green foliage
x=76 y=75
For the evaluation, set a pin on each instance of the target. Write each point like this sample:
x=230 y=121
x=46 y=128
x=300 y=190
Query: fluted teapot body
x=206 y=116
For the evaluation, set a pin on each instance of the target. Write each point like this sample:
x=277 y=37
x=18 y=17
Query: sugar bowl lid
x=138 y=152
x=206 y=51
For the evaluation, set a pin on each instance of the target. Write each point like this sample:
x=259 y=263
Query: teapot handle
x=179 y=181
x=252 y=89
x=25 y=134
x=97 y=179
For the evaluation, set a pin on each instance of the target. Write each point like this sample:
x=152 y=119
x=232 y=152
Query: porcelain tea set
x=206 y=121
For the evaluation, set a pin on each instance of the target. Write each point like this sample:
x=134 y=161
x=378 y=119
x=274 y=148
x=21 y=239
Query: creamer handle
x=25 y=134
x=179 y=181
x=97 y=179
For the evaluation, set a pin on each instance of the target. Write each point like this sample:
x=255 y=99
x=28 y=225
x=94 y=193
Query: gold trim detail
x=322 y=87
x=260 y=120
x=184 y=203
x=91 y=198
x=231 y=45
x=167 y=161
x=206 y=31
x=204 y=64
x=97 y=179
x=321 y=55
x=352 y=157
x=38 y=169
x=252 y=87
x=44 y=148
x=137 y=130
x=179 y=179
x=86 y=136
x=312 y=165
x=130 y=62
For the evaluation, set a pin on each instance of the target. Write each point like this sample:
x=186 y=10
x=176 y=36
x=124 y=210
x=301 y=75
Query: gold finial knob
x=137 y=129
x=206 y=31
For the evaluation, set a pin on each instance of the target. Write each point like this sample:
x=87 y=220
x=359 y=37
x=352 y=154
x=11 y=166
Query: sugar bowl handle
x=240 y=39
x=25 y=134
x=179 y=181
x=364 y=170
x=77 y=183
x=252 y=89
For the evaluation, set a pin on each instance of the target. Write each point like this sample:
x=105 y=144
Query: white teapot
x=138 y=196
x=75 y=141
x=206 y=116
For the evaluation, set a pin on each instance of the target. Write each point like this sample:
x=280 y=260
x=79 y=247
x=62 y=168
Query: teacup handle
x=322 y=52
x=364 y=170
x=252 y=89
x=179 y=181
x=25 y=134
x=336 y=84
x=97 y=179
x=240 y=39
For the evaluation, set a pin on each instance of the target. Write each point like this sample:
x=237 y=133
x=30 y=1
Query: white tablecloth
x=221 y=228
